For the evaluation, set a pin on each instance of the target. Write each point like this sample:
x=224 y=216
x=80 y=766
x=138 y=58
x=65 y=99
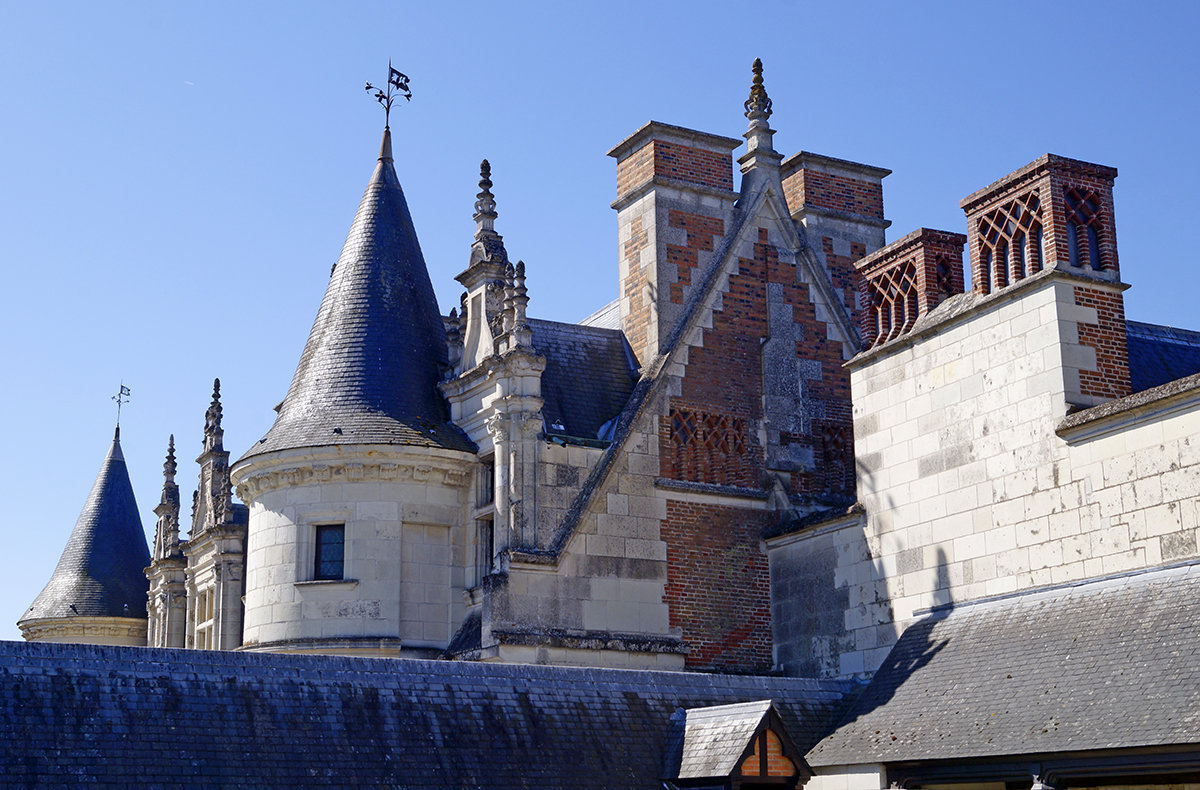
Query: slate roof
x=590 y=373
x=377 y=349
x=1109 y=664
x=1158 y=354
x=101 y=570
x=714 y=738
x=73 y=714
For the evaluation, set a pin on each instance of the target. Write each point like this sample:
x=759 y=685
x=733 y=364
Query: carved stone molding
x=271 y=480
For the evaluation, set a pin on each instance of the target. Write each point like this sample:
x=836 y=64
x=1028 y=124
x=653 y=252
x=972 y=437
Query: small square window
x=330 y=552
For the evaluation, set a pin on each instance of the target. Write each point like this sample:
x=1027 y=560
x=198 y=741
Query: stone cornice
x=363 y=463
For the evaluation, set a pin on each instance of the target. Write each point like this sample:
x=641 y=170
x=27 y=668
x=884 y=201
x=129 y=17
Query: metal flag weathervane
x=122 y=396
x=386 y=96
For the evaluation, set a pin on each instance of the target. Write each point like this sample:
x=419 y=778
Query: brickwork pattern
x=724 y=378
x=713 y=169
x=840 y=193
x=907 y=280
x=702 y=232
x=1110 y=379
x=845 y=275
x=1054 y=212
x=717 y=585
x=634 y=288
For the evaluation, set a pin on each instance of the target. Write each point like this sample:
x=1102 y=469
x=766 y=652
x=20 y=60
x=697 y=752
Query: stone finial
x=485 y=203
x=758 y=106
x=169 y=466
x=213 y=434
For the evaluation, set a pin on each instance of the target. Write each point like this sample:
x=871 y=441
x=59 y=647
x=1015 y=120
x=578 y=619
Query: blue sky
x=178 y=178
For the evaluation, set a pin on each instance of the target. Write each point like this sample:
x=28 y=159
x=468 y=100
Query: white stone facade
x=970 y=487
x=403 y=511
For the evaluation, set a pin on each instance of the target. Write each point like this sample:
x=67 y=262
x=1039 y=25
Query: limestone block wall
x=968 y=489
x=406 y=548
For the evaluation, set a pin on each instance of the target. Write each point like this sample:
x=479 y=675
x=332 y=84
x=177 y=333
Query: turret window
x=330 y=552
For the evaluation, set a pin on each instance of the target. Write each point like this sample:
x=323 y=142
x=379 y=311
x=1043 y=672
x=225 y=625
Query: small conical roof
x=102 y=570
x=370 y=369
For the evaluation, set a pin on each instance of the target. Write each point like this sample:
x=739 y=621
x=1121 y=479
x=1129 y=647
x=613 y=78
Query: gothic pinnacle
x=485 y=203
x=169 y=466
x=758 y=106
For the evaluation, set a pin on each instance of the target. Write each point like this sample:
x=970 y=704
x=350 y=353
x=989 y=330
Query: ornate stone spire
x=758 y=106
x=213 y=433
x=488 y=246
x=485 y=202
x=166 y=535
x=760 y=163
x=520 y=301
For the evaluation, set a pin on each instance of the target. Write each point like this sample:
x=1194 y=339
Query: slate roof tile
x=1113 y=663
x=1158 y=354
x=377 y=349
x=101 y=570
x=78 y=713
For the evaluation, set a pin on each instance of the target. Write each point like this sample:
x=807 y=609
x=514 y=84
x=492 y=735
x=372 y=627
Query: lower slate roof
x=1158 y=354
x=590 y=373
x=1108 y=664
x=74 y=714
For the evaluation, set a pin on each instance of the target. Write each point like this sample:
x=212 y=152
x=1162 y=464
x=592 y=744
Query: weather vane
x=122 y=396
x=397 y=81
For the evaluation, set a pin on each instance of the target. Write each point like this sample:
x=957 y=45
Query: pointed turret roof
x=101 y=571
x=369 y=372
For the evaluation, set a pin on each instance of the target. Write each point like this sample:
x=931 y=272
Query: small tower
x=215 y=548
x=97 y=594
x=357 y=542
x=167 y=608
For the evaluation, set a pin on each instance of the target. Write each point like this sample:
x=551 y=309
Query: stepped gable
x=79 y=713
x=101 y=571
x=377 y=349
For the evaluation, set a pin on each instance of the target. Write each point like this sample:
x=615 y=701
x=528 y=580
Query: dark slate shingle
x=1158 y=354
x=377 y=349
x=1113 y=663
x=101 y=570
x=72 y=714
x=590 y=373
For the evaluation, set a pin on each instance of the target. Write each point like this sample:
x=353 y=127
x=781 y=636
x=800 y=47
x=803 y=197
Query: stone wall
x=969 y=490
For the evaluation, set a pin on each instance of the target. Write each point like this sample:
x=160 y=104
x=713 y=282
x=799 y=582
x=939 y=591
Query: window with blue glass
x=330 y=552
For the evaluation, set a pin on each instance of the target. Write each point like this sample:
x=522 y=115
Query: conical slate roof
x=101 y=571
x=369 y=372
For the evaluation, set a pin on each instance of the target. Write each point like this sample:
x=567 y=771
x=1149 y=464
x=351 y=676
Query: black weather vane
x=397 y=85
x=122 y=396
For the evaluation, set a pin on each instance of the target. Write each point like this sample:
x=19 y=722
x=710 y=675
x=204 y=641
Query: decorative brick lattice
x=892 y=306
x=1010 y=242
x=709 y=448
x=1084 y=223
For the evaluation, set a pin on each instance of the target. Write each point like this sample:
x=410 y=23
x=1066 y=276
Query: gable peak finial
x=758 y=106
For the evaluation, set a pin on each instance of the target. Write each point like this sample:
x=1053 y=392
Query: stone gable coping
x=806 y=160
x=657 y=130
